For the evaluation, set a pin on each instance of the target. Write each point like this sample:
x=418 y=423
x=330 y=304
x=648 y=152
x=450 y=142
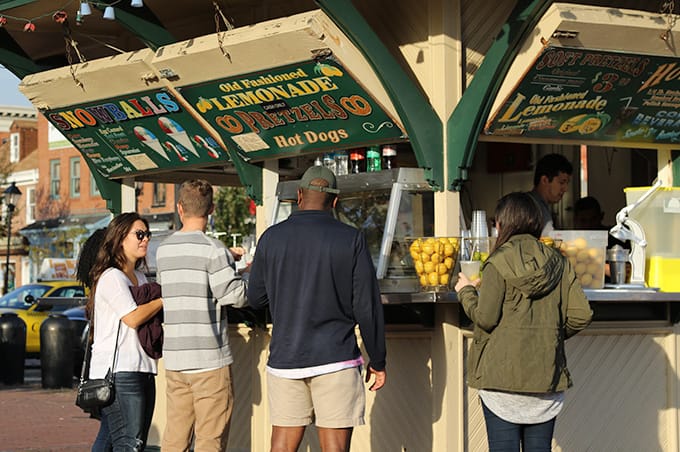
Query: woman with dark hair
x=529 y=303
x=116 y=317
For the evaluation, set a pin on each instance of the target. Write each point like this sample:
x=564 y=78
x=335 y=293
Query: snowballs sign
x=589 y=95
x=307 y=107
x=137 y=133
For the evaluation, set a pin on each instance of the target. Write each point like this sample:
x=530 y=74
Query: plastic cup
x=470 y=269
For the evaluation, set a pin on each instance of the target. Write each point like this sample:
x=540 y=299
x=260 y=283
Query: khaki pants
x=200 y=403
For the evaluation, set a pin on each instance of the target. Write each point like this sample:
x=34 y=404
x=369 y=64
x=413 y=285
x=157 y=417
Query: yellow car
x=24 y=302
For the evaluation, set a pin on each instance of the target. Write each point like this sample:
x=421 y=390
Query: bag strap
x=88 y=352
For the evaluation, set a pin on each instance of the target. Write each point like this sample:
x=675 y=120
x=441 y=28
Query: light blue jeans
x=125 y=423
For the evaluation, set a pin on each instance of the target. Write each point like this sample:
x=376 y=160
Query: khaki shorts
x=334 y=400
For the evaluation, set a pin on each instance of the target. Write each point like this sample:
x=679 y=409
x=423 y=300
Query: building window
x=55 y=178
x=94 y=189
x=158 y=195
x=14 y=150
x=75 y=177
x=30 y=205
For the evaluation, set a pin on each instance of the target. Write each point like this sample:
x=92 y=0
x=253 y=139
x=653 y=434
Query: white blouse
x=113 y=301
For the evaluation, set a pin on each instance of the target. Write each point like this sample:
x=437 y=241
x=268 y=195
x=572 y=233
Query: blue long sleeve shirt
x=317 y=276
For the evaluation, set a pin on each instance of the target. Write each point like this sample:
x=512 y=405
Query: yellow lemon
x=441 y=269
x=436 y=258
x=415 y=246
x=449 y=262
x=415 y=255
x=433 y=278
x=580 y=243
x=424 y=257
x=429 y=267
x=444 y=280
x=427 y=248
x=443 y=240
x=419 y=267
x=423 y=280
x=449 y=250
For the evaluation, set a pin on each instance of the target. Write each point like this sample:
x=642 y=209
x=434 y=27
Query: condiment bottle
x=357 y=161
x=389 y=157
x=341 y=163
x=329 y=161
x=373 y=163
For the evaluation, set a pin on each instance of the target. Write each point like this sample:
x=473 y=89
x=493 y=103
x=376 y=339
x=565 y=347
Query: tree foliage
x=232 y=213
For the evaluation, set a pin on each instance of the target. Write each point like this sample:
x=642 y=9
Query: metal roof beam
x=421 y=122
x=467 y=120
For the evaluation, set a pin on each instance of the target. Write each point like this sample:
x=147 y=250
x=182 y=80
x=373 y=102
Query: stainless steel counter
x=623 y=295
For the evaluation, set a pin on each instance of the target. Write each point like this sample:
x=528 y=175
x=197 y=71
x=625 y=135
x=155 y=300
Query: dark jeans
x=125 y=423
x=505 y=436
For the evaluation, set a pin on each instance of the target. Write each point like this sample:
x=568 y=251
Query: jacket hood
x=528 y=265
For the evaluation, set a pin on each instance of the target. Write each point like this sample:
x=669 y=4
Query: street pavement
x=40 y=420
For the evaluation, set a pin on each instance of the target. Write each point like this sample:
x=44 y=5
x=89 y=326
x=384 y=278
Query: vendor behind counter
x=588 y=215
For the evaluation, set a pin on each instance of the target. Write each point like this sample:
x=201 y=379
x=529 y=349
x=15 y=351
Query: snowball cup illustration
x=149 y=139
x=177 y=133
x=209 y=144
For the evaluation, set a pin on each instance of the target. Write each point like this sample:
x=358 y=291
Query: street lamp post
x=12 y=194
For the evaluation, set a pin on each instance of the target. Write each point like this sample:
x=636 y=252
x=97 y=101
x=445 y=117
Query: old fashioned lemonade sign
x=306 y=107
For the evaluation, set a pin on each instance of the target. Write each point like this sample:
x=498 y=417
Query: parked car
x=33 y=303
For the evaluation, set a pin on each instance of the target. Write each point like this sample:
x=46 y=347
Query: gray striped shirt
x=198 y=278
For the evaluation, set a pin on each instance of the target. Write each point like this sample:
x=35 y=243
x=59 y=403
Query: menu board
x=310 y=106
x=591 y=95
x=140 y=132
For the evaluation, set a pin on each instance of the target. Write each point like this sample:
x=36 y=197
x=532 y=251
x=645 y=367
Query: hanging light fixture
x=109 y=13
x=136 y=3
x=85 y=9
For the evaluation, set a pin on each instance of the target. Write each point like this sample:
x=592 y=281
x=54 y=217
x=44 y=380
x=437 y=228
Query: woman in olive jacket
x=530 y=301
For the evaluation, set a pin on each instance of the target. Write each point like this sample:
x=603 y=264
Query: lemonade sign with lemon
x=434 y=259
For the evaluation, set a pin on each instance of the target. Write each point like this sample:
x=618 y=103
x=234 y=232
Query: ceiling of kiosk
x=276 y=89
x=596 y=76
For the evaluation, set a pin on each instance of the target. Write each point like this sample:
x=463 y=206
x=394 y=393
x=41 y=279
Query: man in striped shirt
x=198 y=280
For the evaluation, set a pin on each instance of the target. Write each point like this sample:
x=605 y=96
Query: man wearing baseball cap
x=317 y=277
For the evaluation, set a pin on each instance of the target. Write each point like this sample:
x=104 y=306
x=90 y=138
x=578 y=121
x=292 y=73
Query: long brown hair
x=517 y=213
x=111 y=254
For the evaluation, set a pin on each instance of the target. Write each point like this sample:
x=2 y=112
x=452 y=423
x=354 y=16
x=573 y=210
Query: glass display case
x=388 y=206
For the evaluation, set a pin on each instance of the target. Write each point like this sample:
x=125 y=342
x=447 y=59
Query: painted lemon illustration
x=585 y=124
x=327 y=70
x=571 y=124
x=590 y=125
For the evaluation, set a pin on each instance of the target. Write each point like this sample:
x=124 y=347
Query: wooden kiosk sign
x=590 y=95
x=312 y=106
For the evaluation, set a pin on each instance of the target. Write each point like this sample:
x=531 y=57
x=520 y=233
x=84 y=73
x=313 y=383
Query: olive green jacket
x=529 y=302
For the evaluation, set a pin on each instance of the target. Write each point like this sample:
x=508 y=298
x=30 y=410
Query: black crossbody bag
x=96 y=393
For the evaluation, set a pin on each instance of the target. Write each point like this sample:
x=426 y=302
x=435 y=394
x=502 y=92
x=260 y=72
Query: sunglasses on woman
x=141 y=234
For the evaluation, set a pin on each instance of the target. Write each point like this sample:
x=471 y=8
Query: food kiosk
x=256 y=105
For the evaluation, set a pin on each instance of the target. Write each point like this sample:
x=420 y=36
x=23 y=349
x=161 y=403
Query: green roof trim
x=109 y=189
x=14 y=58
x=423 y=126
x=467 y=120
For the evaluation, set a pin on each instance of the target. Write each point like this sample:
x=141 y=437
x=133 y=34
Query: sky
x=9 y=92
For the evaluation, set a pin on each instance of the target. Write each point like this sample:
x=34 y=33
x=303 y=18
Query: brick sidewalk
x=35 y=419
